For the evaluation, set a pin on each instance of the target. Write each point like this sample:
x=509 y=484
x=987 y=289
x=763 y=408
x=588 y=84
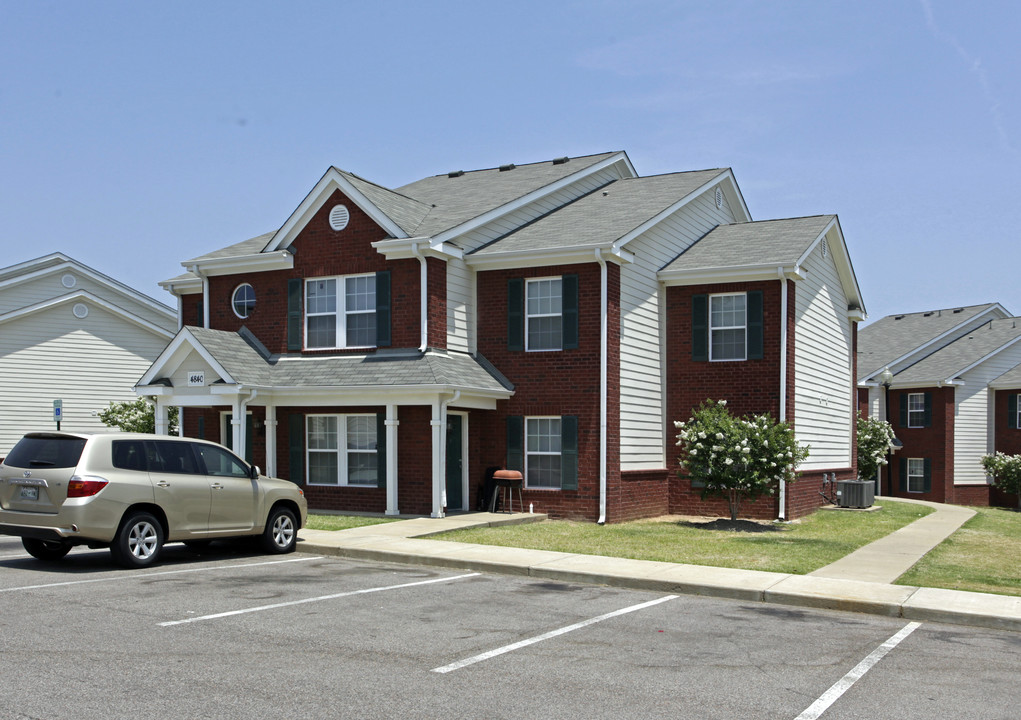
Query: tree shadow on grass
x=745 y=526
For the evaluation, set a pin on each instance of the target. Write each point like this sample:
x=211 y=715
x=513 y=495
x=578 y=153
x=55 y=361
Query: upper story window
x=544 y=314
x=243 y=301
x=728 y=321
x=340 y=312
x=916 y=410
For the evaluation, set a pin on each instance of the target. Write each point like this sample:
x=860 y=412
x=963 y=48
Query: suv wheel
x=138 y=542
x=281 y=533
x=48 y=550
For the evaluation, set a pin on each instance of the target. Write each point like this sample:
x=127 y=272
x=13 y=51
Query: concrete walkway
x=860 y=582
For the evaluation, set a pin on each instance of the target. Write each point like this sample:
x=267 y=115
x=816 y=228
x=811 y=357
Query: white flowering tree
x=875 y=438
x=136 y=416
x=737 y=458
x=1006 y=472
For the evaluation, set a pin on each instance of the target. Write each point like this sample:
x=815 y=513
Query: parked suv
x=134 y=492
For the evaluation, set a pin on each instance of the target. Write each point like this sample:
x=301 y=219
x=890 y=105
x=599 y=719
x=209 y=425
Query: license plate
x=29 y=492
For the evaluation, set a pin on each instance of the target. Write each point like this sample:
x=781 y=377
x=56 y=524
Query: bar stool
x=509 y=481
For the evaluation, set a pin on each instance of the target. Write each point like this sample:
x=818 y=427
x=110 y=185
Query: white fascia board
x=533 y=258
x=925 y=384
x=17 y=272
x=537 y=194
x=69 y=264
x=332 y=180
x=376 y=395
x=183 y=286
x=733 y=192
x=94 y=299
x=848 y=280
x=173 y=355
x=926 y=345
x=403 y=248
x=256 y=262
x=724 y=176
x=738 y=273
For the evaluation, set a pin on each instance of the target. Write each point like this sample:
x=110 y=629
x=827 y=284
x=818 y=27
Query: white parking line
x=546 y=636
x=844 y=684
x=138 y=576
x=321 y=598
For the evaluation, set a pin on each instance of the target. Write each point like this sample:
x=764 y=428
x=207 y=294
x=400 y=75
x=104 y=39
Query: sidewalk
x=859 y=582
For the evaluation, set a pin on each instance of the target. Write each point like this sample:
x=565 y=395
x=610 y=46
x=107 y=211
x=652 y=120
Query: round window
x=244 y=300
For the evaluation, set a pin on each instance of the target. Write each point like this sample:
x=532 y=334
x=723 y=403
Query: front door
x=455 y=462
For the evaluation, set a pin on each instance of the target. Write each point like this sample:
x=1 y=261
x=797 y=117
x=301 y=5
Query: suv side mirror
x=255 y=472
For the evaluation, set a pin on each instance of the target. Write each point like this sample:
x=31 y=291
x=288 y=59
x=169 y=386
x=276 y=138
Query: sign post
x=58 y=406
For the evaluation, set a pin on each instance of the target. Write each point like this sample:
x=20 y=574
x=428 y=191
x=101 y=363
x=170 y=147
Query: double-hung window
x=544 y=314
x=340 y=312
x=916 y=410
x=342 y=450
x=728 y=322
x=916 y=475
x=542 y=452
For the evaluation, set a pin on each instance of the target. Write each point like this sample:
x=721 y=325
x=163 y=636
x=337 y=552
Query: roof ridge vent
x=898 y=317
x=928 y=314
x=505 y=168
x=456 y=173
x=561 y=160
x=958 y=310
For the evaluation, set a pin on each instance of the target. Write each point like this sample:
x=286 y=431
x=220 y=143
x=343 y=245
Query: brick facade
x=935 y=443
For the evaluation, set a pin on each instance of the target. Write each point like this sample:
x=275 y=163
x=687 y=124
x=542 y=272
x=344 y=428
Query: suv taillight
x=85 y=486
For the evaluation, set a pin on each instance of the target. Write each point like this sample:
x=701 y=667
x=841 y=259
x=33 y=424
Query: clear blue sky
x=136 y=135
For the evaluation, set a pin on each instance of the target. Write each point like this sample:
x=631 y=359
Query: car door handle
x=216 y=486
x=163 y=484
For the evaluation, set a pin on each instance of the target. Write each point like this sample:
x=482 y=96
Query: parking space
x=233 y=633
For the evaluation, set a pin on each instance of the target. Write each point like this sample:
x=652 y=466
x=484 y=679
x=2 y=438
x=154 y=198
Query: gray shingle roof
x=603 y=216
x=1009 y=379
x=882 y=342
x=765 y=242
x=949 y=361
x=249 y=364
x=407 y=212
x=252 y=246
x=457 y=200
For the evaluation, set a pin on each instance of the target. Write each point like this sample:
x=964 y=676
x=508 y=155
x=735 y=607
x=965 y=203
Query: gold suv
x=132 y=493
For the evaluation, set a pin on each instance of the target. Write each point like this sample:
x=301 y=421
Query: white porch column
x=271 y=440
x=162 y=417
x=391 y=424
x=439 y=442
x=239 y=409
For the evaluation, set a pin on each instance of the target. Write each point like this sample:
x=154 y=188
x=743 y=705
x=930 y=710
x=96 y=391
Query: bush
x=875 y=437
x=1006 y=472
x=737 y=457
x=136 y=416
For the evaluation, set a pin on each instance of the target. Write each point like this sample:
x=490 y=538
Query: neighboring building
x=951 y=396
x=387 y=347
x=70 y=333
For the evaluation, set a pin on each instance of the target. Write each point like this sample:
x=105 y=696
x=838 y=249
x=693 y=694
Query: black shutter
x=1012 y=411
x=296 y=446
x=699 y=327
x=903 y=409
x=569 y=287
x=200 y=320
x=754 y=320
x=516 y=443
x=902 y=481
x=516 y=314
x=380 y=449
x=383 y=337
x=927 y=482
x=295 y=290
x=202 y=427
x=569 y=452
x=927 y=416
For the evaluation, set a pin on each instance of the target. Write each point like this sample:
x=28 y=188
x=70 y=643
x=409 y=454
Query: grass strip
x=343 y=522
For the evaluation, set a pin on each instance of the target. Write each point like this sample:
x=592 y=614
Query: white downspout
x=783 y=375
x=603 y=321
x=424 y=299
x=205 y=295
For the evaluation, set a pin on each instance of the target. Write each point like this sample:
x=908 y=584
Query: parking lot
x=235 y=634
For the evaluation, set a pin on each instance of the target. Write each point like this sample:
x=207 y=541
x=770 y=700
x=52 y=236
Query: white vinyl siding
x=87 y=363
x=823 y=388
x=460 y=301
x=975 y=417
x=643 y=424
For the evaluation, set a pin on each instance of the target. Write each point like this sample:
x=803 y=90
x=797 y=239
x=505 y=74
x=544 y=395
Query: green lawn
x=797 y=547
x=343 y=522
x=983 y=556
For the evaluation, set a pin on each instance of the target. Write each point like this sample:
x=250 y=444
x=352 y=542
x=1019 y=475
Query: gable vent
x=719 y=198
x=825 y=248
x=80 y=310
x=339 y=217
x=505 y=168
x=68 y=281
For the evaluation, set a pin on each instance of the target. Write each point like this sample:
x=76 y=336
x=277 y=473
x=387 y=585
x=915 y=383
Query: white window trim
x=529 y=316
x=921 y=413
x=560 y=454
x=340 y=314
x=342 y=451
x=920 y=477
x=710 y=327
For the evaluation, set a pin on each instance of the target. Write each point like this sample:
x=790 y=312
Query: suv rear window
x=40 y=451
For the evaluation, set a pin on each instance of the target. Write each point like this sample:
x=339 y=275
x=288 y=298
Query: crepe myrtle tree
x=139 y=415
x=875 y=437
x=734 y=457
x=1006 y=472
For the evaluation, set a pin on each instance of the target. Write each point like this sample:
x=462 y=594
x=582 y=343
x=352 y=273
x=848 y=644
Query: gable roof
x=954 y=359
x=603 y=216
x=896 y=339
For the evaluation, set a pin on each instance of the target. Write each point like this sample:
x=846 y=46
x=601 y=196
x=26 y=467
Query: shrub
x=1006 y=472
x=875 y=437
x=136 y=416
x=737 y=457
